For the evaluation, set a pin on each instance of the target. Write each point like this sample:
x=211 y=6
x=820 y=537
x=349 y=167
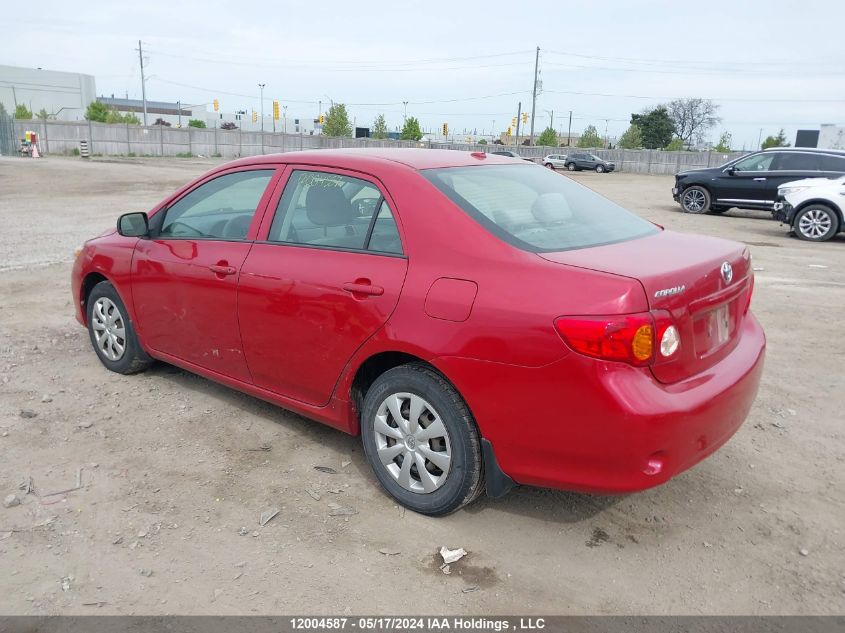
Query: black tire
x=571 y=166
x=133 y=359
x=600 y=169
x=695 y=199
x=816 y=223
x=718 y=210
x=550 y=166
x=464 y=480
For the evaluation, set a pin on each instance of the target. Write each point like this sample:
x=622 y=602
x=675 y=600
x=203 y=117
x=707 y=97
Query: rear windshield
x=536 y=209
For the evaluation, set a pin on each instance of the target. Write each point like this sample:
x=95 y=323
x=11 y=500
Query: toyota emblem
x=727 y=272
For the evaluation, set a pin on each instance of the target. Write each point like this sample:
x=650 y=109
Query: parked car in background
x=555 y=161
x=511 y=154
x=478 y=321
x=751 y=182
x=585 y=160
x=812 y=207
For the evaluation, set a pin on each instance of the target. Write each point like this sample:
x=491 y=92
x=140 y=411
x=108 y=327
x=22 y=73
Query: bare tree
x=692 y=117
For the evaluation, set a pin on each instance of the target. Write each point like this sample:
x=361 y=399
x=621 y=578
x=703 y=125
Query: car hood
x=702 y=170
x=810 y=182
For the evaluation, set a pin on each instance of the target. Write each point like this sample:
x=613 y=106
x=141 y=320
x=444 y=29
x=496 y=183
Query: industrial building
x=828 y=136
x=64 y=96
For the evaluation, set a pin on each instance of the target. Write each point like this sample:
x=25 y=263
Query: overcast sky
x=767 y=64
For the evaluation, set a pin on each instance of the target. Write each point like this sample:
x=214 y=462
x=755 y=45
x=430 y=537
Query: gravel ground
x=176 y=470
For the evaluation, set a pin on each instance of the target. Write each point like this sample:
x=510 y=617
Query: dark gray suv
x=584 y=160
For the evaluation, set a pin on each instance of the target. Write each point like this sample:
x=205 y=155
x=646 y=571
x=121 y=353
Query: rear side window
x=795 y=161
x=535 y=209
x=334 y=211
x=832 y=163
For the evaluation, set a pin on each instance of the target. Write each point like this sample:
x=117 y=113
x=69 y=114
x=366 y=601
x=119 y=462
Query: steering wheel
x=173 y=231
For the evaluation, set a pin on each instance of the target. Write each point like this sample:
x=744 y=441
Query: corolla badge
x=668 y=292
x=727 y=272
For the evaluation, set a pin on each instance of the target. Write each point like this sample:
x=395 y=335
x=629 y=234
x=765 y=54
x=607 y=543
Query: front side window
x=332 y=210
x=221 y=208
x=759 y=162
x=535 y=209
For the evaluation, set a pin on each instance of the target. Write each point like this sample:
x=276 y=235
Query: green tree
x=337 y=121
x=42 y=114
x=656 y=127
x=379 y=127
x=547 y=138
x=97 y=111
x=675 y=145
x=113 y=116
x=411 y=130
x=724 y=144
x=590 y=138
x=482 y=141
x=632 y=138
x=196 y=123
x=771 y=141
x=21 y=112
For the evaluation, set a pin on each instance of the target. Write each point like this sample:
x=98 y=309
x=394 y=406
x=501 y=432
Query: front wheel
x=111 y=332
x=816 y=223
x=421 y=440
x=599 y=169
x=695 y=199
x=550 y=166
x=571 y=166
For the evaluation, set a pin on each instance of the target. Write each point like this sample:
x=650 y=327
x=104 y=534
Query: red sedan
x=480 y=321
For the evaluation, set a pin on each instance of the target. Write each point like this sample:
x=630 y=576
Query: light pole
x=262 y=105
x=285 y=109
x=605 y=133
x=405 y=112
x=179 y=111
x=493 y=132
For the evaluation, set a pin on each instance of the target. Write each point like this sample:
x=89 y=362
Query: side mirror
x=731 y=170
x=133 y=225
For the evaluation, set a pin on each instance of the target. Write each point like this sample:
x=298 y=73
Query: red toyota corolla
x=480 y=321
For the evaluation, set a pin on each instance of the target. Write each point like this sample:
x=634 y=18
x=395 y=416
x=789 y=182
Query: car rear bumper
x=594 y=426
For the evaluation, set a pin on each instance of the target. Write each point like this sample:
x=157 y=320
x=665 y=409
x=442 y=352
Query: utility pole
x=179 y=112
x=518 y=116
x=605 y=133
x=285 y=109
x=534 y=95
x=143 y=81
x=569 y=135
x=405 y=113
x=261 y=86
x=759 y=137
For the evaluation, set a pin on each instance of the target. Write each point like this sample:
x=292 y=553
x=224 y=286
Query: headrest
x=549 y=208
x=327 y=206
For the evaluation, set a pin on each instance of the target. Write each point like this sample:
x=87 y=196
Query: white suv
x=813 y=207
x=555 y=161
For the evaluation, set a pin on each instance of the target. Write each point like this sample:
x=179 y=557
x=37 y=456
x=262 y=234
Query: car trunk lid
x=704 y=283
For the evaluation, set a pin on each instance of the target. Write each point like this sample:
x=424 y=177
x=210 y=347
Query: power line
x=741 y=99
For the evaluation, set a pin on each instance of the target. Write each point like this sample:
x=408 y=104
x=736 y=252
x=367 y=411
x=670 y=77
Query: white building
x=64 y=96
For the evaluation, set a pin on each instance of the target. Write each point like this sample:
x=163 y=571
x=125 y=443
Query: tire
x=550 y=166
x=816 y=223
x=111 y=332
x=695 y=199
x=599 y=169
x=718 y=210
x=571 y=167
x=447 y=485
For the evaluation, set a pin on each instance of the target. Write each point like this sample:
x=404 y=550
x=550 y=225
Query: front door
x=745 y=183
x=326 y=276
x=185 y=278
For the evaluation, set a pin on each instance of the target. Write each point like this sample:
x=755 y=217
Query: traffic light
x=513 y=122
x=445 y=129
x=524 y=117
x=322 y=119
x=254 y=116
x=275 y=110
x=216 y=105
x=510 y=130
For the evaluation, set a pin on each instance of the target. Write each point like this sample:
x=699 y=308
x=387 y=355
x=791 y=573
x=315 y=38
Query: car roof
x=809 y=150
x=361 y=157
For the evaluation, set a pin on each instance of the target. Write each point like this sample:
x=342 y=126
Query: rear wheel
x=695 y=199
x=816 y=223
x=421 y=440
x=111 y=332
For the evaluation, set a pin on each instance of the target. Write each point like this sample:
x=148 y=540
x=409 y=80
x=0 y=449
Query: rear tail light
x=637 y=339
x=750 y=292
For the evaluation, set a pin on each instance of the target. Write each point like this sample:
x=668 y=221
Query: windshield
x=536 y=209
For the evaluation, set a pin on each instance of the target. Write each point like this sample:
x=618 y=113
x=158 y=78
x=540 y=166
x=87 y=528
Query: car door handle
x=363 y=289
x=761 y=179
x=219 y=269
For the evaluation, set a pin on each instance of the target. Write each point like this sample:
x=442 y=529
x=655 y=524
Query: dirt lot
x=171 y=471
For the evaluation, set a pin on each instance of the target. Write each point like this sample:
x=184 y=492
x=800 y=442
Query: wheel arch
x=823 y=202
x=88 y=282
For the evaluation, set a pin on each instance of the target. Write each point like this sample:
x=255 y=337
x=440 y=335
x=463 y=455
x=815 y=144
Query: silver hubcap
x=109 y=329
x=694 y=200
x=815 y=223
x=412 y=442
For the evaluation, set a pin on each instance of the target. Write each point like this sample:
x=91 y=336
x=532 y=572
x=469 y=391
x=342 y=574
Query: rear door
x=185 y=278
x=791 y=166
x=324 y=276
